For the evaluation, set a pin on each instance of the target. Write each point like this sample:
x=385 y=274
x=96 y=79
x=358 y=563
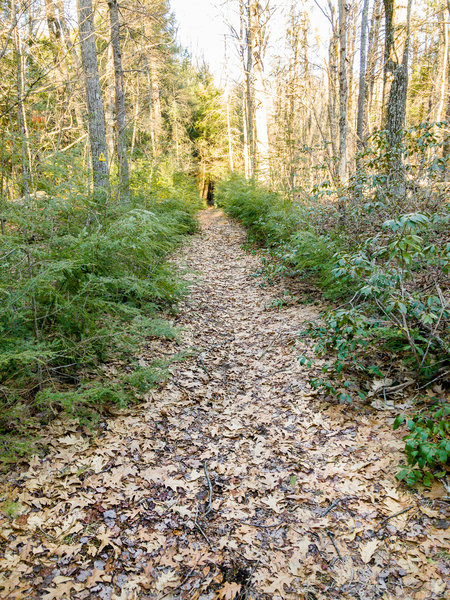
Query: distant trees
x=96 y=101
x=252 y=38
x=387 y=67
x=117 y=87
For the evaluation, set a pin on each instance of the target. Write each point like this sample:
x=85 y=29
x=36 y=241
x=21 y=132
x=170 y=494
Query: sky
x=202 y=27
x=201 y=30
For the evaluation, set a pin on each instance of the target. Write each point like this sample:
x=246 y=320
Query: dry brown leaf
x=368 y=550
x=229 y=591
x=273 y=503
x=175 y=484
x=61 y=591
x=277 y=585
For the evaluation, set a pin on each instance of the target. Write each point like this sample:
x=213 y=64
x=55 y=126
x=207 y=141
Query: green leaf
x=427 y=479
x=399 y=420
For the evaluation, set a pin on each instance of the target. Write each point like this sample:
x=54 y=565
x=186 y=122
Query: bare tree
x=258 y=17
x=396 y=68
x=361 y=133
x=96 y=116
x=21 y=113
x=343 y=90
x=120 y=120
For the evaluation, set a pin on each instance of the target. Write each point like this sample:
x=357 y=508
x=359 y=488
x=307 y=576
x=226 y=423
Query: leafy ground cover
x=235 y=479
x=82 y=283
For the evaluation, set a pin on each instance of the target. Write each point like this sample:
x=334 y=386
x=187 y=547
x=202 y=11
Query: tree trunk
x=96 y=116
x=154 y=104
x=109 y=105
x=361 y=126
x=343 y=91
x=396 y=71
x=21 y=114
x=442 y=81
x=249 y=87
x=230 y=141
x=228 y=109
x=444 y=111
x=333 y=81
x=120 y=120
x=80 y=115
x=372 y=58
x=257 y=48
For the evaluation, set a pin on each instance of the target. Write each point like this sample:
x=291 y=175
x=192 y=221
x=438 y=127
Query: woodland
x=224 y=306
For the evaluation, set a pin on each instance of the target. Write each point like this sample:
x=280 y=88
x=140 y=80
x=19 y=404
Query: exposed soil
x=233 y=480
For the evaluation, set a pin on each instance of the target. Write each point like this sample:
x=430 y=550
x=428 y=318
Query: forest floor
x=233 y=480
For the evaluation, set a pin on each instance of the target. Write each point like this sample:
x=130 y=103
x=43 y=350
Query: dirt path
x=234 y=480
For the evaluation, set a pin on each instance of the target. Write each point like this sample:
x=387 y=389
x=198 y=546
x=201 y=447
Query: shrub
x=80 y=284
x=427 y=445
x=285 y=228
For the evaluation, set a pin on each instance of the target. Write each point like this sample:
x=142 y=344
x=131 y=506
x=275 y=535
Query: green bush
x=427 y=445
x=285 y=228
x=393 y=317
x=81 y=284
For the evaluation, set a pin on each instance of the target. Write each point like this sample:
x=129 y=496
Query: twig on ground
x=397 y=388
x=433 y=380
x=204 y=367
x=179 y=586
x=261 y=526
x=197 y=524
x=210 y=508
x=331 y=536
x=400 y=512
x=47 y=535
x=333 y=505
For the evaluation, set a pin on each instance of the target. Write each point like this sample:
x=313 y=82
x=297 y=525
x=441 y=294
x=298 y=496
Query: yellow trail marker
x=102 y=158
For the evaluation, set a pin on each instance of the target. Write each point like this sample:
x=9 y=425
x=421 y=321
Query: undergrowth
x=81 y=285
x=379 y=250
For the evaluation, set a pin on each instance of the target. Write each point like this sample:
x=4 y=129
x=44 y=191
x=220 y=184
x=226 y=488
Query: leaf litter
x=234 y=480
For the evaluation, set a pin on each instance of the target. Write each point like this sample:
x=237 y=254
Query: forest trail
x=234 y=479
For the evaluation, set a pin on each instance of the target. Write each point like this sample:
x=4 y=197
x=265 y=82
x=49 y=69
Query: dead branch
x=199 y=527
x=333 y=505
x=210 y=508
x=400 y=512
x=331 y=536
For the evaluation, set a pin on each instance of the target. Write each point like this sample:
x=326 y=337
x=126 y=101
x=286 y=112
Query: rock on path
x=233 y=480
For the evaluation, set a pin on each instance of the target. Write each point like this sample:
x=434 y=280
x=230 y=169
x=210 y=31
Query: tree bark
x=343 y=91
x=443 y=79
x=396 y=102
x=247 y=91
x=21 y=113
x=249 y=87
x=372 y=58
x=258 y=36
x=333 y=81
x=96 y=116
x=361 y=126
x=120 y=119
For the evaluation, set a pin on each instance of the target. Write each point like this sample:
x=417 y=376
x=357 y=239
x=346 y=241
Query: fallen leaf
x=229 y=591
x=368 y=549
